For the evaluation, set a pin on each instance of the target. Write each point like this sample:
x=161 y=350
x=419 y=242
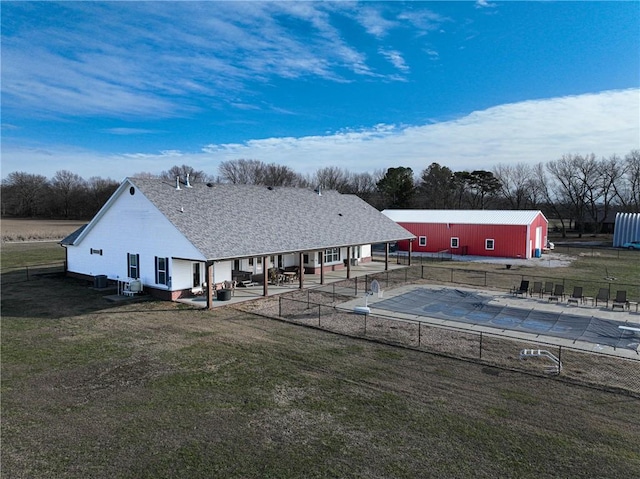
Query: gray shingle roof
x=69 y=240
x=230 y=221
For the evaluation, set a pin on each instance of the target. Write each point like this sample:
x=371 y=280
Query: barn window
x=454 y=242
x=162 y=270
x=133 y=265
x=489 y=244
x=422 y=240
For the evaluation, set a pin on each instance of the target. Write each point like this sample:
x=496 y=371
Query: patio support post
x=386 y=256
x=321 y=267
x=409 y=253
x=348 y=262
x=210 y=286
x=301 y=268
x=265 y=269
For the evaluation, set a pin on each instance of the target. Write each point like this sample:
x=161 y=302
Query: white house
x=174 y=236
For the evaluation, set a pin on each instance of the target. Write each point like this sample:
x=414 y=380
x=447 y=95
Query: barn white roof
x=476 y=217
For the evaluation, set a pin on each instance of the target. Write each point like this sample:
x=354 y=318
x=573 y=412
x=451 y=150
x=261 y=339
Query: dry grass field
x=160 y=390
x=12 y=229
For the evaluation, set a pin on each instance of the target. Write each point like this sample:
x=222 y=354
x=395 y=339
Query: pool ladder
x=543 y=353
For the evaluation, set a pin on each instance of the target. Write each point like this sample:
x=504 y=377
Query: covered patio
x=310 y=281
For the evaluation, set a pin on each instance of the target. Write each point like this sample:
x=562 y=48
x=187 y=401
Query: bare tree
x=279 y=175
x=146 y=175
x=574 y=176
x=332 y=178
x=629 y=194
x=195 y=176
x=24 y=194
x=517 y=185
x=242 y=172
x=99 y=190
x=67 y=189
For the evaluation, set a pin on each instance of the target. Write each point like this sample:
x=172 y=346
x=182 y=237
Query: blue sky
x=112 y=89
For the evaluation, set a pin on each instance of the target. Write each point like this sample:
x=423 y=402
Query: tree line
x=577 y=190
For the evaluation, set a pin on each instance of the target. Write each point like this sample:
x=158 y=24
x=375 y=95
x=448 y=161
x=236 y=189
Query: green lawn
x=18 y=255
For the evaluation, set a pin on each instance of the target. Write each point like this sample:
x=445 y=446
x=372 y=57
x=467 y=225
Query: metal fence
x=595 y=368
x=499 y=280
x=31 y=272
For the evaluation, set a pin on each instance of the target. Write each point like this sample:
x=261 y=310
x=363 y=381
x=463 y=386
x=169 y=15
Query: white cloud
x=395 y=58
x=179 y=57
x=532 y=131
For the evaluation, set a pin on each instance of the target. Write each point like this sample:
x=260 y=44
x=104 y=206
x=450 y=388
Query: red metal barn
x=499 y=233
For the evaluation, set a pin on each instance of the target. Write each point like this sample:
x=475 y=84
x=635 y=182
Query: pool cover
x=473 y=308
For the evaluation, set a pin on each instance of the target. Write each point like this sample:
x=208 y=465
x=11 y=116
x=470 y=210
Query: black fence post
x=280 y=306
x=308 y=299
x=419 y=333
x=422 y=272
x=356 y=282
x=485 y=279
x=559 y=359
x=319 y=315
x=480 y=344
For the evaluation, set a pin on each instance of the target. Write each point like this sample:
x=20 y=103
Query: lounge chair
x=577 y=296
x=523 y=289
x=603 y=295
x=548 y=288
x=537 y=289
x=620 y=301
x=558 y=293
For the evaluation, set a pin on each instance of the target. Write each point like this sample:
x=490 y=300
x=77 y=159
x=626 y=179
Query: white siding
x=131 y=225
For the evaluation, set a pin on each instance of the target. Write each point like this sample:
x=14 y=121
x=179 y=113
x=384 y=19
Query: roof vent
x=318 y=190
x=270 y=188
x=178 y=183
x=210 y=185
x=188 y=184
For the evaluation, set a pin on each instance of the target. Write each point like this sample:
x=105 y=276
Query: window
x=162 y=270
x=454 y=242
x=133 y=265
x=196 y=275
x=332 y=255
x=422 y=240
x=250 y=261
x=489 y=244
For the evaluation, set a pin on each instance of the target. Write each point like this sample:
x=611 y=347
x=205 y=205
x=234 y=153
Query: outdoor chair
x=558 y=293
x=523 y=289
x=620 y=301
x=537 y=288
x=576 y=296
x=603 y=295
x=548 y=288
